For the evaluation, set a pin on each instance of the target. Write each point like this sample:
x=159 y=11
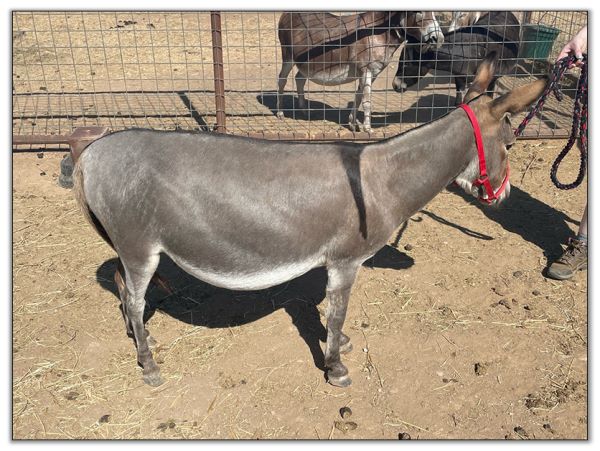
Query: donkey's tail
x=83 y=205
x=89 y=215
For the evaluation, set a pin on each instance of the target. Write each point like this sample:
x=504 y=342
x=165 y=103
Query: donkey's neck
x=421 y=163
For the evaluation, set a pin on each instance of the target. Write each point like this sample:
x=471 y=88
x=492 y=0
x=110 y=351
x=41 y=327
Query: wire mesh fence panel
x=115 y=69
x=155 y=69
x=543 y=35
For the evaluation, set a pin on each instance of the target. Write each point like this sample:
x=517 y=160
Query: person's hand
x=576 y=46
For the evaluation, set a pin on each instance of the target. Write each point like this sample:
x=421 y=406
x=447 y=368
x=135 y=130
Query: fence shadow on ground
x=201 y=304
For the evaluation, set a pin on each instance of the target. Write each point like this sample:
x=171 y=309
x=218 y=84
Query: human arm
x=576 y=46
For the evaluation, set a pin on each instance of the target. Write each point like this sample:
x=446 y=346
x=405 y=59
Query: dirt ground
x=457 y=334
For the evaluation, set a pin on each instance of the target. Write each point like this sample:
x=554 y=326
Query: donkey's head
x=462 y=19
x=493 y=117
x=423 y=27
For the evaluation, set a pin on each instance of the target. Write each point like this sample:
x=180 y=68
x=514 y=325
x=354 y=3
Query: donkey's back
x=306 y=36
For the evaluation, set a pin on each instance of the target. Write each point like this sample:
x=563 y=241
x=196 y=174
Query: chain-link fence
x=157 y=70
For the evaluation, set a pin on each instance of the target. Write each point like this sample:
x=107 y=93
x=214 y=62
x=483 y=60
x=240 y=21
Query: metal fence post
x=217 y=51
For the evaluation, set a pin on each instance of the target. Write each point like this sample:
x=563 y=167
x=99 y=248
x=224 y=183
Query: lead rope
x=580 y=114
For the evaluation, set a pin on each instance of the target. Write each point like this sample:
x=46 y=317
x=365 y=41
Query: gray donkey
x=246 y=214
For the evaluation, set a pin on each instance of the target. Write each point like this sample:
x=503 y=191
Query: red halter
x=483 y=176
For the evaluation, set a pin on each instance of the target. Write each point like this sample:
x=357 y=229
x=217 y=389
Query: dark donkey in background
x=333 y=50
x=248 y=214
x=463 y=49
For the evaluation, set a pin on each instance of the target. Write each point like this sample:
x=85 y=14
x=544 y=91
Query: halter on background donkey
x=247 y=214
x=333 y=50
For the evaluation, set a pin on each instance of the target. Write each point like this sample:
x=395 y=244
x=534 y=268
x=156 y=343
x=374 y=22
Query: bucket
x=537 y=41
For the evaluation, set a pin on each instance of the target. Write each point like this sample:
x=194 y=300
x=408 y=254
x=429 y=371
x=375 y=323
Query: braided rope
x=580 y=123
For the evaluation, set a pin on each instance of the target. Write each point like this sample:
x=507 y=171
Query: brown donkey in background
x=333 y=50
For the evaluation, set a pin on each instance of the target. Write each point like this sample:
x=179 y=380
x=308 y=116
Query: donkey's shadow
x=315 y=109
x=532 y=219
x=201 y=304
x=427 y=108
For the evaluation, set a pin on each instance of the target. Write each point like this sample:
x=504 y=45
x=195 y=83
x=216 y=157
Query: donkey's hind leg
x=345 y=345
x=120 y=281
x=353 y=121
x=300 y=83
x=286 y=68
x=138 y=273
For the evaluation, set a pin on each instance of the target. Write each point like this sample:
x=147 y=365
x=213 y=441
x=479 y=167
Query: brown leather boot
x=573 y=259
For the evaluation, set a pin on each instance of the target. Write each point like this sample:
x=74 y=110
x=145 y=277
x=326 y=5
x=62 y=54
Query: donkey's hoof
x=338 y=375
x=346 y=348
x=353 y=123
x=342 y=381
x=153 y=379
x=280 y=115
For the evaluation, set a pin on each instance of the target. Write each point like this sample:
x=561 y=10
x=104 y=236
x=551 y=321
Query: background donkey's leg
x=286 y=68
x=138 y=273
x=339 y=284
x=461 y=84
x=353 y=119
x=300 y=82
x=367 y=100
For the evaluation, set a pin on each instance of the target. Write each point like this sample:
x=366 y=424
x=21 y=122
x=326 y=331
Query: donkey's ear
x=483 y=77
x=518 y=99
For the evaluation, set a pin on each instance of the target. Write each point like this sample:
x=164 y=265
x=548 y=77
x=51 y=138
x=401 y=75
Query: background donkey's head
x=423 y=27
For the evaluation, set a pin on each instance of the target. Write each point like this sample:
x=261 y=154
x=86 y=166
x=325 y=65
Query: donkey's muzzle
x=432 y=40
x=399 y=85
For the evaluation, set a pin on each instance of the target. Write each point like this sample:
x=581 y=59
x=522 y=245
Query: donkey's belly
x=249 y=278
x=328 y=75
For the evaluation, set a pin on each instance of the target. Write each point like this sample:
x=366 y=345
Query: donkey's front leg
x=363 y=91
x=353 y=121
x=367 y=101
x=300 y=83
x=286 y=68
x=339 y=284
